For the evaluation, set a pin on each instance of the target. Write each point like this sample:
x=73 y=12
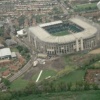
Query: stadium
x=64 y=37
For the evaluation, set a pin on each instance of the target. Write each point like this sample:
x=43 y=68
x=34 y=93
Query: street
x=20 y=72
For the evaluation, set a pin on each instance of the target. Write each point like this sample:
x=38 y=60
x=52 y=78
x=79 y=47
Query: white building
x=21 y=33
x=5 y=53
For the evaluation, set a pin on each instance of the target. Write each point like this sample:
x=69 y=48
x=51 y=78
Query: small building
x=41 y=55
x=14 y=68
x=13 y=55
x=10 y=42
x=6 y=73
x=5 y=53
x=21 y=33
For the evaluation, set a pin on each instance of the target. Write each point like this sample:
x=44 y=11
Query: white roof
x=13 y=54
x=21 y=33
x=5 y=52
x=43 y=35
x=51 y=23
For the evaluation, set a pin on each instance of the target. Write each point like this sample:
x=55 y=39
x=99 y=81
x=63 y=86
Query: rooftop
x=43 y=35
x=5 y=52
x=6 y=73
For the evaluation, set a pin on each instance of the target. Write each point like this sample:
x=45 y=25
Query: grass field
x=19 y=84
x=95 y=65
x=22 y=83
x=35 y=77
x=62 y=33
x=85 y=7
x=80 y=95
x=74 y=76
x=47 y=73
x=14 y=49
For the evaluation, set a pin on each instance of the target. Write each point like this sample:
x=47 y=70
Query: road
x=29 y=64
x=63 y=6
x=21 y=72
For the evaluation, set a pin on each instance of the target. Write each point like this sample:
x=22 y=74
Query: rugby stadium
x=64 y=37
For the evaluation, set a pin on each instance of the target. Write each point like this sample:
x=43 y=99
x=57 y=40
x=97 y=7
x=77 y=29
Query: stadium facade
x=83 y=35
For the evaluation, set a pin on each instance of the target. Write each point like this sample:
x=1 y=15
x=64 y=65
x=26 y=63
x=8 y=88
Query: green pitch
x=61 y=33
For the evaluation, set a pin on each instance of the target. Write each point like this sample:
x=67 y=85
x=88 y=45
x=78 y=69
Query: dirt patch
x=96 y=51
x=57 y=64
x=93 y=76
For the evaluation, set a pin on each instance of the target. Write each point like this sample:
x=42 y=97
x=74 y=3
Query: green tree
x=69 y=85
x=6 y=82
x=21 y=20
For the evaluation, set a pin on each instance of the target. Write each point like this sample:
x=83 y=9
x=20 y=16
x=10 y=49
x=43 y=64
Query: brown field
x=93 y=76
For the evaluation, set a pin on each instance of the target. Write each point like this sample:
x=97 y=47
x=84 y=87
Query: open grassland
x=19 y=84
x=47 y=73
x=73 y=77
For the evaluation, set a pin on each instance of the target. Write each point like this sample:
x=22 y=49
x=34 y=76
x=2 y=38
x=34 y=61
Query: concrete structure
x=21 y=33
x=44 y=42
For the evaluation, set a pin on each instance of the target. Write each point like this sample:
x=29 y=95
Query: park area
x=72 y=77
x=23 y=81
x=67 y=69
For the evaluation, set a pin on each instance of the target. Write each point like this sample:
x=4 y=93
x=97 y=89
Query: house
x=6 y=73
x=13 y=68
x=13 y=55
x=21 y=33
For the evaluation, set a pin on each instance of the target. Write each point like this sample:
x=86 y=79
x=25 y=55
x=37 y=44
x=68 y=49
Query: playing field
x=62 y=33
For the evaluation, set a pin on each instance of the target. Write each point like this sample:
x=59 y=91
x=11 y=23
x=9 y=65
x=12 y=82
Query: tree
x=69 y=85
x=6 y=82
x=95 y=86
x=86 y=86
x=21 y=20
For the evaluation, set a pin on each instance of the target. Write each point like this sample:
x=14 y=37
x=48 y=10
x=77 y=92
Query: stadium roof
x=5 y=52
x=43 y=35
x=51 y=23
